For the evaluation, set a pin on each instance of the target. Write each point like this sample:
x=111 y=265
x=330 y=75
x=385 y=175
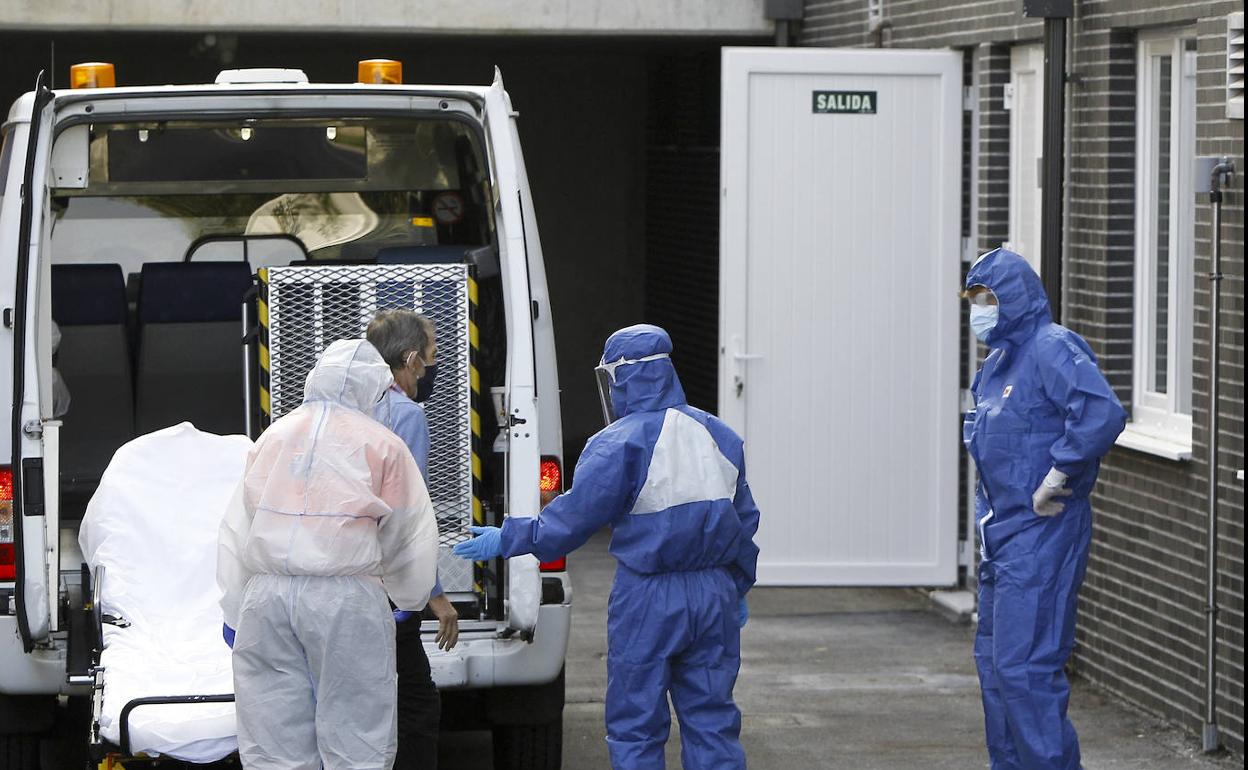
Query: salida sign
x=855 y=102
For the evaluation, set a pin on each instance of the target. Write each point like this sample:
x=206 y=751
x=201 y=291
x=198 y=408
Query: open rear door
x=523 y=453
x=30 y=527
x=839 y=308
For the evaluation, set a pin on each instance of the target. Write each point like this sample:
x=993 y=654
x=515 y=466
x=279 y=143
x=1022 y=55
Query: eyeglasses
x=980 y=295
x=609 y=368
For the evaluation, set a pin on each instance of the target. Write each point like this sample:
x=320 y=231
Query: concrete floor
x=867 y=679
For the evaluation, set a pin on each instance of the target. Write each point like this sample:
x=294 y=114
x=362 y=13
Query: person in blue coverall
x=1044 y=416
x=407 y=342
x=669 y=480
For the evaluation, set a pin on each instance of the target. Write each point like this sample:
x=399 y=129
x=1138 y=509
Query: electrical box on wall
x=783 y=10
x=1049 y=9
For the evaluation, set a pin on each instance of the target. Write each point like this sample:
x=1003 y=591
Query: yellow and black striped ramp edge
x=474 y=378
x=262 y=315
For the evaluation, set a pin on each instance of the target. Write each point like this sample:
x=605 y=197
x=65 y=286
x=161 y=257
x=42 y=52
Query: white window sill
x=1141 y=439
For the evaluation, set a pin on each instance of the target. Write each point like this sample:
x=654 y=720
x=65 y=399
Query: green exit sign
x=853 y=102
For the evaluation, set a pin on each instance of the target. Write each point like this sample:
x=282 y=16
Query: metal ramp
x=303 y=309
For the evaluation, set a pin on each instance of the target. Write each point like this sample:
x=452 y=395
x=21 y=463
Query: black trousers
x=420 y=705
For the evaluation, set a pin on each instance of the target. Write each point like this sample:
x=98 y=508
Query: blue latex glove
x=743 y=612
x=402 y=615
x=488 y=544
x=228 y=634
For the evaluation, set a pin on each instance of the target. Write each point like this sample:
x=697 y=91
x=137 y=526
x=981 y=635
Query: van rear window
x=277 y=155
x=6 y=160
x=236 y=153
x=272 y=191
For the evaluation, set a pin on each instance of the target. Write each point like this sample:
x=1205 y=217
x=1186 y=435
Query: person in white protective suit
x=331 y=516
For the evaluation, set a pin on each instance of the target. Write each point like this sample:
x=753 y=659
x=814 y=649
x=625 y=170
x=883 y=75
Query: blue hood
x=648 y=386
x=1022 y=302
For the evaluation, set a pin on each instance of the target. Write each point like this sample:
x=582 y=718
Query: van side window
x=6 y=159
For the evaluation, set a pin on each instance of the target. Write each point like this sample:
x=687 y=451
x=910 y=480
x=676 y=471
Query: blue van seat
x=190 y=365
x=89 y=307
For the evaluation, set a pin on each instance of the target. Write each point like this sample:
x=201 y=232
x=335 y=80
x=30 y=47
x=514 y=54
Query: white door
x=839 y=308
x=1025 y=100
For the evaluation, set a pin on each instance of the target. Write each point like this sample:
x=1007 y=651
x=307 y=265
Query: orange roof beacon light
x=92 y=74
x=382 y=72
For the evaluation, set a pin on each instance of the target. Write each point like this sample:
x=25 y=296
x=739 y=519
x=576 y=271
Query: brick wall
x=1141 y=631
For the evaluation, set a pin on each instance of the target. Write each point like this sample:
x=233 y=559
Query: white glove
x=1043 y=500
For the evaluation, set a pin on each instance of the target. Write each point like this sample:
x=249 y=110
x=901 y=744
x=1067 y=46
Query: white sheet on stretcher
x=153 y=525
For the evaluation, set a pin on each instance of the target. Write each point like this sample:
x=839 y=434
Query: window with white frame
x=1164 y=238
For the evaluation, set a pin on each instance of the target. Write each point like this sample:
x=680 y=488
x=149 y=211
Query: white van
x=140 y=231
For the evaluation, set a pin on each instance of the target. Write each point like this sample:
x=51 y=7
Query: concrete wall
x=476 y=17
x=1142 y=608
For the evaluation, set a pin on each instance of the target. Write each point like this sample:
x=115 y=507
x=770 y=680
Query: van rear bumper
x=477 y=662
x=480 y=662
x=41 y=672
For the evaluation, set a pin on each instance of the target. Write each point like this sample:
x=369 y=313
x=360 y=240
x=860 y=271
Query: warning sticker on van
x=856 y=102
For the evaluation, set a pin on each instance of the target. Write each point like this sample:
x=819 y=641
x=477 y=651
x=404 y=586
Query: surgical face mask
x=424 y=386
x=983 y=320
x=605 y=374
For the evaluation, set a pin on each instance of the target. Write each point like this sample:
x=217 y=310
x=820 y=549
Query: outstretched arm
x=600 y=492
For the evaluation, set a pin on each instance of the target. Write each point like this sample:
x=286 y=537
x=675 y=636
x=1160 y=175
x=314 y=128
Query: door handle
x=740 y=357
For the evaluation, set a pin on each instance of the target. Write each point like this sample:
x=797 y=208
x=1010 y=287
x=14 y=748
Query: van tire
x=529 y=747
x=19 y=752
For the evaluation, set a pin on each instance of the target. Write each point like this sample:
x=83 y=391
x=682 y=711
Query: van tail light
x=550 y=482
x=551 y=476
x=8 y=556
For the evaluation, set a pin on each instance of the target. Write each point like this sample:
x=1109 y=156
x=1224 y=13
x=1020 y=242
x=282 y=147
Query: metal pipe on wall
x=782 y=33
x=1053 y=193
x=1052 y=190
x=1210 y=740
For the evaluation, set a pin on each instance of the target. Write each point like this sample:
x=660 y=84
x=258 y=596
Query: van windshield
x=271 y=192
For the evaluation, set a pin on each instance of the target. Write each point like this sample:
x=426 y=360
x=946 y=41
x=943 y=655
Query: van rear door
x=31 y=555
x=523 y=455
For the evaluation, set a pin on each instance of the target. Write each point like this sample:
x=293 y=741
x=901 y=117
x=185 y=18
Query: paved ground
x=867 y=679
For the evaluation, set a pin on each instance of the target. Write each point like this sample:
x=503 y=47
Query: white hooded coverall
x=332 y=515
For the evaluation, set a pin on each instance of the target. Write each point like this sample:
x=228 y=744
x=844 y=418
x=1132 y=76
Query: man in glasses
x=669 y=480
x=1044 y=416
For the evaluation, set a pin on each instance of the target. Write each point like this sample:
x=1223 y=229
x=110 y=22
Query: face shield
x=605 y=375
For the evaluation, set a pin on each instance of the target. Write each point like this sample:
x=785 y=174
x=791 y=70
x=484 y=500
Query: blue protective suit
x=669 y=480
x=1040 y=403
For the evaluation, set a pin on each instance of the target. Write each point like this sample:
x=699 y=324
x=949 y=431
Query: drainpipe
x=1055 y=13
x=783 y=13
x=1218 y=175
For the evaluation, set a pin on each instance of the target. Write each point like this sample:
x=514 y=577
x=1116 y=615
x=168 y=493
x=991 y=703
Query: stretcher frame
x=105 y=754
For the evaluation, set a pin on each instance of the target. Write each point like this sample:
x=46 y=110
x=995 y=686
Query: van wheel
x=19 y=752
x=529 y=747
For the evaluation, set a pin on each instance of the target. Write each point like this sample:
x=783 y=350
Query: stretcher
x=162 y=686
